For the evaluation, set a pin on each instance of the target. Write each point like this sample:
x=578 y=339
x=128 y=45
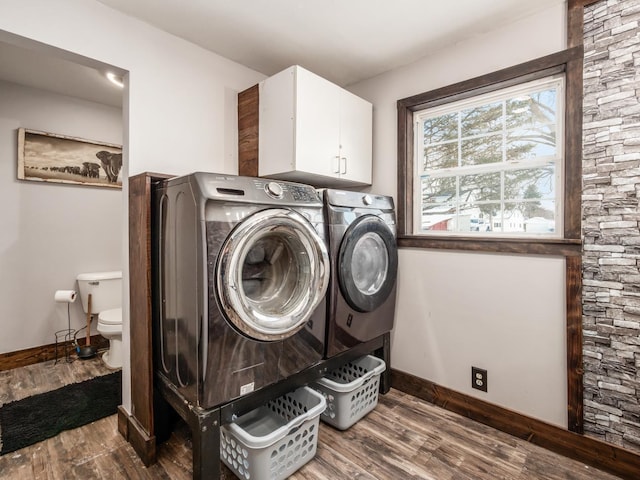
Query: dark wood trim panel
x=573 y=174
x=575 y=369
x=123 y=422
x=405 y=170
x=573 y=148
x=143 y=444
x=575 y=23
x=593 y=452
x=581 y=3
x=43 y=353
x=140 y=298
x=140 y=422
x=538 y=68
x=248 y=126
x=566 y=248
x=573 y=119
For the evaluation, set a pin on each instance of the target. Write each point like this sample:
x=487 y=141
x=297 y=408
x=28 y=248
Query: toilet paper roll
x=65 y=296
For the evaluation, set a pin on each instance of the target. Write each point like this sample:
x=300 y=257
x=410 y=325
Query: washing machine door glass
x=272 y=272
x=367 y=263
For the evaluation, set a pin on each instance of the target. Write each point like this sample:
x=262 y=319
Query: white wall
x=51 y=232
x=180 y=99
x=500 y=312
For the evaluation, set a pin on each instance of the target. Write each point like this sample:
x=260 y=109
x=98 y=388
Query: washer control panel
x=303 y=193
x=287 y=191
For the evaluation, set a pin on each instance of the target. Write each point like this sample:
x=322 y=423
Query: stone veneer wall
x=610 y=218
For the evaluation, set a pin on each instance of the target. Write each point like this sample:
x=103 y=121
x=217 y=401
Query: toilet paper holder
x=64 y=338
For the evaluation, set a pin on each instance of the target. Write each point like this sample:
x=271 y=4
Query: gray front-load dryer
x=364 y=265
x=243 y=271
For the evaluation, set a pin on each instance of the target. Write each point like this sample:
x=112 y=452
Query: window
x=491 y=165
x=465 y=161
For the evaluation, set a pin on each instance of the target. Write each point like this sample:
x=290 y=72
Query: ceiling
x=345 y=41
x=45 y=70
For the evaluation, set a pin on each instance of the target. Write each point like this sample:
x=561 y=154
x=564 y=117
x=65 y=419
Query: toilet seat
x=111 y=317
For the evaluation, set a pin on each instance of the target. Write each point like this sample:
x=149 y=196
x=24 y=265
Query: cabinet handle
x=343 y=161
x=336 y=164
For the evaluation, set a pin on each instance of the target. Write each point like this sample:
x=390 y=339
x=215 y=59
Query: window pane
x=438 y=203
x=441 y=129
x=438 y=190
x=530 y=184
x=536 y=108
x=531 y=143
x=480 y=187
x=531 y=121
x=496 y=224
x=483 y=119
x=533 y=217
x=439 y=219
x=468 y=221
x=482 y=150
x=511 y=219
x=441 y=156
x=479 y=215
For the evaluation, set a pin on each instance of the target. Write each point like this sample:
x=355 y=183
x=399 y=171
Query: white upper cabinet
x=311 y=130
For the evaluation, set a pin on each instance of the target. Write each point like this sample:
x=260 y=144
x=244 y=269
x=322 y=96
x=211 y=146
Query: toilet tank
x=105 y=289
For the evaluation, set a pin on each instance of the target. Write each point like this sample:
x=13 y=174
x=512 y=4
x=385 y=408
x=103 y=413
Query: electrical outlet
x=479 y=379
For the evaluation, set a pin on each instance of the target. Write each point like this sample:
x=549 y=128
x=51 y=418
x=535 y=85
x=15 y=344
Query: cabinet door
x=355 y=138
x=276 y=127
x=317 y=125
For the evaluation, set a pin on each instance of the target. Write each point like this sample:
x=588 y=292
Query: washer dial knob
x=274 y=189
x=367 y=200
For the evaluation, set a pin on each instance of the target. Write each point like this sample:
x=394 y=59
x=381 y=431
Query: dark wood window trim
x=568 y=61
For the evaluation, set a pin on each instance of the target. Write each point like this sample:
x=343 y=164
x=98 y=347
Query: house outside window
x=492 y=165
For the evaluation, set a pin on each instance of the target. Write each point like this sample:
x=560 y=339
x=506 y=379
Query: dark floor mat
x=36 y=418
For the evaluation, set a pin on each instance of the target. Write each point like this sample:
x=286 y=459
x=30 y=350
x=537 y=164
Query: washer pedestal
x=205 y=424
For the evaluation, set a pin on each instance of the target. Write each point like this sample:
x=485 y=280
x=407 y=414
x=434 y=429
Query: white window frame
x=514 y=91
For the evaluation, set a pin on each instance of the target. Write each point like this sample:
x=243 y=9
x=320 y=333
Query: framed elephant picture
x=48 y=157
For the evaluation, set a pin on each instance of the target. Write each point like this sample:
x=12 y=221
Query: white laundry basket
x=351 y=391
x=273 y=441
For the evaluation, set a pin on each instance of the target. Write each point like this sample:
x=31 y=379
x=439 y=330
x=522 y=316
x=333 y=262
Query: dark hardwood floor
x=19 y=383
x=403 y=438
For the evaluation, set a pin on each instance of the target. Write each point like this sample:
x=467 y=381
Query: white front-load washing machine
x=364 y=265
x=243 y=273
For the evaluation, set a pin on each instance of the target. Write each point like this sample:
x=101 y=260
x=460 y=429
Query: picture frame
x=53 y=158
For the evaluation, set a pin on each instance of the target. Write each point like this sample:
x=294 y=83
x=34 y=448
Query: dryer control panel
x=345 y=198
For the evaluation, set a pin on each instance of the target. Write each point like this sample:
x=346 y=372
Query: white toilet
x=105 y=289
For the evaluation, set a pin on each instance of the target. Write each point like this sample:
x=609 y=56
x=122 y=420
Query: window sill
x=526 y=246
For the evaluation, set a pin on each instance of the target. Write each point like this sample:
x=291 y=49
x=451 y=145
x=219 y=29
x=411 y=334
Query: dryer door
x=272 y=272
x=367 y=263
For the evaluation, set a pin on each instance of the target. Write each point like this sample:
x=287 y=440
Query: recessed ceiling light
x=115 y=79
